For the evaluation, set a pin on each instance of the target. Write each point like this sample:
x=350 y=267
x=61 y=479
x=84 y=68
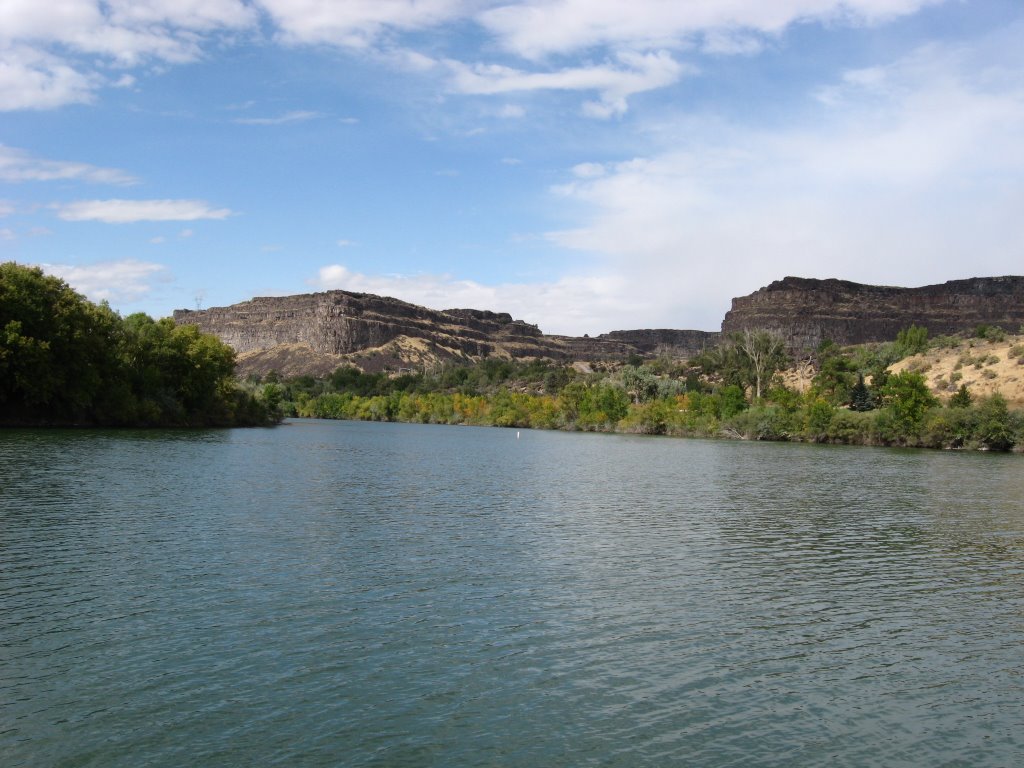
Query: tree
x=640 y=382
x=57 y=349
x=994 y=428
x=65 y=360
x=912 y=340
x=860 y=396
x=961 y=398
x=907 y=395
x=766 y=353
x=835 y=377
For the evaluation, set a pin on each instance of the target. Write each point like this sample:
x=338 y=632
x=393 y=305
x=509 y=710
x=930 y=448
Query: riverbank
x=986 y=425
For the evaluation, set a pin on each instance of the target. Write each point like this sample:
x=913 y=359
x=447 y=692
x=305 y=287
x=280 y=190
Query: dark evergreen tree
x=962 y=398
x=860 y=396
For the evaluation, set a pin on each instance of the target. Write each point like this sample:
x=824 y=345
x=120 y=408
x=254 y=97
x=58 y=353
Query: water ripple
x=389 y=595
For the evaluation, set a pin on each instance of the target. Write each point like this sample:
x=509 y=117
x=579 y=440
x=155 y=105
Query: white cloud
x=632 y=73
x=128 y=211
x=912 y=174
x=7 y=234
x=298 y=116
x=17 y=165
x=573 y=305
x=543 y=27
x=588 y=170
x=114 y=281
x=512 y=111
x=6 y=208
x=356 y=23
x=53 y=54
x=31 y=79
x=345 y=244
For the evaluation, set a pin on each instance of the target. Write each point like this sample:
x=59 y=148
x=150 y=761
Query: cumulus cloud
x=52 y=54
x=543 y=27
x=114 y=281
x=17 y=165
x=33 y=79
x=573 y=305
x=129 y=211
x=912 y=173
x=358 y=23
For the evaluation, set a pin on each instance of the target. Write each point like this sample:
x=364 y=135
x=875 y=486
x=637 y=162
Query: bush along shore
x=65 y=361
x=732 y=391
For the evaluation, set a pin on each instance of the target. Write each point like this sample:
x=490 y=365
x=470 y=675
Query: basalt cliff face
x=806 y=312
x=315 y=333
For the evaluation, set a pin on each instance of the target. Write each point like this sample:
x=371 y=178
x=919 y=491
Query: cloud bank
x=114 y=281
x=52 y=55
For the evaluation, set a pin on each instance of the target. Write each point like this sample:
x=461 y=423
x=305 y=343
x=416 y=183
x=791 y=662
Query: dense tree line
x=65 y=360
x=713 y=395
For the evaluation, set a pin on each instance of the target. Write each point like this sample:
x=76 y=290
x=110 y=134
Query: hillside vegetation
x=878 y=394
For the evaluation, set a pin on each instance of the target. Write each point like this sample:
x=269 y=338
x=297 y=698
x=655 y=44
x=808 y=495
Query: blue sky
x=586 y=165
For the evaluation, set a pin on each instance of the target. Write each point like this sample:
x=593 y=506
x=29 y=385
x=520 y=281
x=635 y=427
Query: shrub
x=990 y=332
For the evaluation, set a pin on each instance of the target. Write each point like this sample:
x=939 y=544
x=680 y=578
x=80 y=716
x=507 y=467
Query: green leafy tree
x=907 y=395
x=835 y=377
x=912 y=340
x=64 y=359
x=995 y=430
x=731 y=401
x=819 y=418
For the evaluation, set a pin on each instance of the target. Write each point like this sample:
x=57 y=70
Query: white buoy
x=517 y=435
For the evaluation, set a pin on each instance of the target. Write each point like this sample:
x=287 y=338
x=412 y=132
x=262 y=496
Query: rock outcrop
x=315 y=333
x=806 y=311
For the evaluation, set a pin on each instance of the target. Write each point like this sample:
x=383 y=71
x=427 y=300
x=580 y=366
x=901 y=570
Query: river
x=362 y=594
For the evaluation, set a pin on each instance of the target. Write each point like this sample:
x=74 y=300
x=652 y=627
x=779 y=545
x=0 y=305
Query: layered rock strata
x=314 y=333
x=807 y=311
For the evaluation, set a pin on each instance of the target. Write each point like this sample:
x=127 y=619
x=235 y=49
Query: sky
x=584 y=165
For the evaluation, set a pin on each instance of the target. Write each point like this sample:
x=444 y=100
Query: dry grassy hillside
x=984 y=366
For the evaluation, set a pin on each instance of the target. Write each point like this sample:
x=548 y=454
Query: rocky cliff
x=315 y=333
x=806 y=311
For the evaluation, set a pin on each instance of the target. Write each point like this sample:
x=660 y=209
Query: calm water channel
x=337 y=593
